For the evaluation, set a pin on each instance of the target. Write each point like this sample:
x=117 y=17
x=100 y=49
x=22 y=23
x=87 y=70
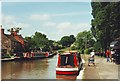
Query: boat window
x=67 y=60
x=63 y=60
x=70 y=60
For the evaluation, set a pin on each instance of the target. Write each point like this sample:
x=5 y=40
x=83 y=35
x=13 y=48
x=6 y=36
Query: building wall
x=6 y=42
x=14 y=43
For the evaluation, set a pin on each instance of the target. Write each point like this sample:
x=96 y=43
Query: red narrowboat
x=69 y=63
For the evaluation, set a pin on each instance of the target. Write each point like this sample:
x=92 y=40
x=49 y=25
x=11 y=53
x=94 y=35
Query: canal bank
x=101 y=70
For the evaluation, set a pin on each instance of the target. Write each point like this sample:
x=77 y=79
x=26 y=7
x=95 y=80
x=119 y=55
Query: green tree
x=105 y=22
x=67 y=40
x=40 y=39
x=31 y=42
x=84 y=40
x=72 y=39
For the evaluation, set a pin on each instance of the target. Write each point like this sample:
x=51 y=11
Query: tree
x=84 y=40
x=67 y=40
x=105 y=25
x=72 y=39
x=40 y=39
x=30 y=42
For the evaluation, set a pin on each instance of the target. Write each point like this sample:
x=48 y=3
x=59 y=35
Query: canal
x=31 y=69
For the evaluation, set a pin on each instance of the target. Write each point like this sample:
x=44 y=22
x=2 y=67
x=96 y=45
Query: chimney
x=2 y=30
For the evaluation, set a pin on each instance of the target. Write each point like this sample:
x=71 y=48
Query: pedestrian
x=91 y=59
x=83 y=57
x=112 y=55
x=108 y=55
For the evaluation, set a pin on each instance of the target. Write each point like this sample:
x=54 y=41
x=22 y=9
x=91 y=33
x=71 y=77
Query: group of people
x=91 y=59
x=109 y=55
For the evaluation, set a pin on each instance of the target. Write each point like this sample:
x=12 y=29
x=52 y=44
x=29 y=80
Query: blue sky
x=55 y=19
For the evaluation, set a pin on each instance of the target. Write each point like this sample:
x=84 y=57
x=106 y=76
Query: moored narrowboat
x=69 y=63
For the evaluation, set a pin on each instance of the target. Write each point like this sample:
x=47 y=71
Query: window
x=67 y=60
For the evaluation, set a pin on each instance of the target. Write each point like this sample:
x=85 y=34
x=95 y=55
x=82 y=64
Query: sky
x=54 y=19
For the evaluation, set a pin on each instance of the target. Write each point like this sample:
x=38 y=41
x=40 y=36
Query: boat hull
x=67 y=71
x=7 y=59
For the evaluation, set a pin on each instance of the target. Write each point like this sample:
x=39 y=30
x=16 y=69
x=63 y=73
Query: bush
x=86 y=51
x=97 y=46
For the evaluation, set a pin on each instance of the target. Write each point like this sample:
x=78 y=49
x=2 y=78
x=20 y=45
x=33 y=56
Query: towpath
x=102 y=69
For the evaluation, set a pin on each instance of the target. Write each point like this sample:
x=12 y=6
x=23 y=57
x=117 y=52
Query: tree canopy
x=67 y=40
x=105 y=22
x=84 y=40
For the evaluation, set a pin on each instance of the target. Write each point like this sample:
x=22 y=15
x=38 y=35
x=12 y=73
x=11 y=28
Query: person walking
x=91 y=59
x=108 y=55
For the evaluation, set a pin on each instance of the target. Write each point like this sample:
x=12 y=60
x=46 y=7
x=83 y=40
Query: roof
x=11 y=37
x=20 y=37
x=69 y=52
x=115 y=44
x=66 y=53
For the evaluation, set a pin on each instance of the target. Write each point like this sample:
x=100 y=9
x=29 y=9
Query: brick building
x=12 y=43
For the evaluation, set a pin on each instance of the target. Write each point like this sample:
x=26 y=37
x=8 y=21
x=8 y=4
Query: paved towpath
x=102 y=69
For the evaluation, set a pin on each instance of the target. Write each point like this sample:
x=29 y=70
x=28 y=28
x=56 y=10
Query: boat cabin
x=69 y=59
x=69 y=63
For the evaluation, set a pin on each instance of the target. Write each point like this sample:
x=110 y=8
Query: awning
x=114 y=43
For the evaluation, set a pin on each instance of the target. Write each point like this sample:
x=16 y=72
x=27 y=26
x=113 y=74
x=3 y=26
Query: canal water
x=32 y=69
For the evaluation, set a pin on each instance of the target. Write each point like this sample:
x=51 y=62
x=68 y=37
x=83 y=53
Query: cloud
x=64 y=26
x=83 y=26
x=71 y=14
x=8 y=19
x=68 y=28
x=40 y=17
x=11 y=21
x=46 y=17
x=23 y=25
x=49 y=24
x=64 y=29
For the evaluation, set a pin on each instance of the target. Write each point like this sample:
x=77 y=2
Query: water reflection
x=66 y=77
x=36 y=69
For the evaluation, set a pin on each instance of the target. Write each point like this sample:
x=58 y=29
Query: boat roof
x=68 y=52
x=72 y=51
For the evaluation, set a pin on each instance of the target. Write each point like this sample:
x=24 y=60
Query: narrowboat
x=8 y=59
x=69 y=63
x=36 y=55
